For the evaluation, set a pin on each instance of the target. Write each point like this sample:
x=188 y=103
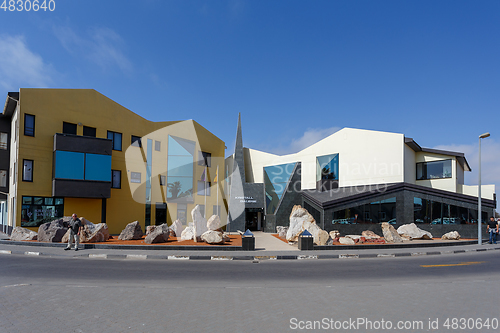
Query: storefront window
x=37 y=210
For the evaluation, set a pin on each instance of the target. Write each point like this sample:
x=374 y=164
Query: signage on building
x=246 y=199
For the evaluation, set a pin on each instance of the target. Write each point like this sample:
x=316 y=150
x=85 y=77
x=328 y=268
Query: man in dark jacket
x=493 y=230
x=75 y=226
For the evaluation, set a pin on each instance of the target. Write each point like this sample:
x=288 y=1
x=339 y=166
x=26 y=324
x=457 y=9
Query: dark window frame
x=112 y=182
x=424 y=169
x=113 y=139
x=66 y=125
x=32 y=169
x=134 y=139
x=86 y=128
x=26 y=133
x=204 y=158
x=6 y=143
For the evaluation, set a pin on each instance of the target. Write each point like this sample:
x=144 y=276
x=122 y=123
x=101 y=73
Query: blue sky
x=296 y=70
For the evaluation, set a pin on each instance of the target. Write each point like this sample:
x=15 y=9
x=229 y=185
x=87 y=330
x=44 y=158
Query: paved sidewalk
x=267 y=248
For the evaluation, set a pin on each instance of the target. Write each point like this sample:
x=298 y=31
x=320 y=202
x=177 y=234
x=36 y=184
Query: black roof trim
x=460 y=156
x=326 y=200
x=10 y=103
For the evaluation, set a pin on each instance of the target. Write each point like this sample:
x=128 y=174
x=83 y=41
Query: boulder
x=281 y=231
x=4 y=236
x=346 y=241
x=199 y=223
x=335 y=234
x=413 y=232
x=187 y=234
x=149 y=229
x=132 y=231
x=176 y=227
x=452 y=235
x=213 y=223
x=159 y=234
x=22 y=234
x=212 y=237
x=390 y=234
x=356 y=238
x=226 y=237
x=92 y=233
x=368 y=234
x=54 y=231
x=300 y=220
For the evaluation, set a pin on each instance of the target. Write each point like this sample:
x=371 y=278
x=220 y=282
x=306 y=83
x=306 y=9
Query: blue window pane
x=98 y=167
x=180 y=147
x=276 y=179
x=180 y=166
x=327 y=167
x=117 y=142
x=179 y=187
x=69 y=165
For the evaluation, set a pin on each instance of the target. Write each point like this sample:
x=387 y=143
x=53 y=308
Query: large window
x=38 y=210
x=29 y=125
x=82 y=166
x=204 y=159
x=327 y=167
x=3 y=141
x=373 y=212
x=116 y=179
x=3 y=178
x=276 y=179
x=28 y=170
x=69 y=128
x=117 y=140
x=89 y=131
x=434 y=170
x=203 y=188
x=180 y=169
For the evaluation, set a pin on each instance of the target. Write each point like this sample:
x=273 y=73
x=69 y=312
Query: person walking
x=493 y=230
x=75 y=227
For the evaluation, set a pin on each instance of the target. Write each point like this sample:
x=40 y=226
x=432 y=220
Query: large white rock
x=176 y=227
x=346 y=241
x=413 y=232
x=22 y=234
x=452 y=235
x=213 y=223
x=212 y=237
x=334 y=234
x=390 y=234
x=300 y=220
x=199 y=223
x=187 y=234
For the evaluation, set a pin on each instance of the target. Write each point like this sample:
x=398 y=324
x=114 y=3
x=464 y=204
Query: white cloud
x=20 y=67
x=310 y=137
x=490 y=162
x=103 y=47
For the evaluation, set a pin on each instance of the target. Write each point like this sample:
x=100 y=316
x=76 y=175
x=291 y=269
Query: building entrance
x=253 y=218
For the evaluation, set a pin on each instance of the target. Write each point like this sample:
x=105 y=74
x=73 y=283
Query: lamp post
x=479 y=212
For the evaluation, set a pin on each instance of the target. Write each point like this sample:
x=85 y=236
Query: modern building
x=353 y=180
x=65 y=151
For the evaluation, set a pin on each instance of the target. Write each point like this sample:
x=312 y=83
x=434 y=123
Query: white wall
x=410 y=165
x=365 y=157
x=14 y=167
x=487 y=191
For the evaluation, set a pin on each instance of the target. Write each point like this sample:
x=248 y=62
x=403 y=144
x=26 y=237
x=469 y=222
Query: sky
x=297 y=71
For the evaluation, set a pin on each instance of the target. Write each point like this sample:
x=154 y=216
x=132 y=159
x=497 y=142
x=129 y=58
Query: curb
x=255 y=259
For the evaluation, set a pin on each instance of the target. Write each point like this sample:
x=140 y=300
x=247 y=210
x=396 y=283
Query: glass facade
x=276 y=178
x=38 y=210
x=82 y=166
x=373 y=212
x=434 y=170
x=327 y=167
x=433 y=212
x=180 y=169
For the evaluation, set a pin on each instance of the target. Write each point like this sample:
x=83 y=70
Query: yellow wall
x=89 y=108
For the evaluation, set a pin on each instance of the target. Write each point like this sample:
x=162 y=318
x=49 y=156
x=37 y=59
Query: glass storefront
x=38 y=210
x=373 y=212
x=433 y=212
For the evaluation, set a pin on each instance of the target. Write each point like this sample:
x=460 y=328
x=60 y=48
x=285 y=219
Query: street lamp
x=479 y=213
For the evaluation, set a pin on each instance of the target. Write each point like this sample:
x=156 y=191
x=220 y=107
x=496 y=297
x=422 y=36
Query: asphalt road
x=91 y=295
